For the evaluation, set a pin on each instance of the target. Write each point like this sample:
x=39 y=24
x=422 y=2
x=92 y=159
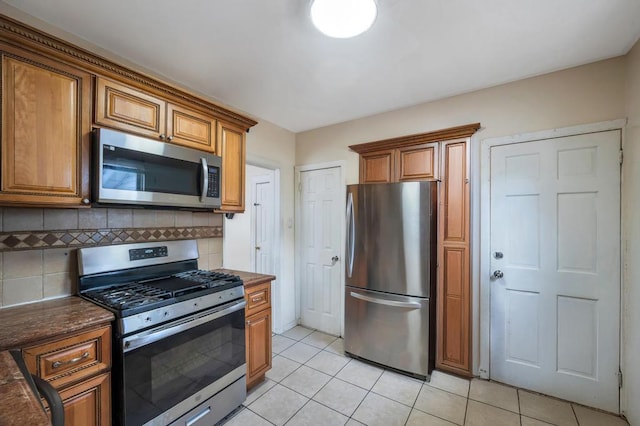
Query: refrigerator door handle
x=351 y=235
x=412 y=305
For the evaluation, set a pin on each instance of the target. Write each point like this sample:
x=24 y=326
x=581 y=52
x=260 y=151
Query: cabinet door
x=46 y=124
x=88 y=403
x=377 y=167
x=454 y=295
x=418 y=162
x=232 y=148
x=125 y=108
x=191 y=128
x=258 y=342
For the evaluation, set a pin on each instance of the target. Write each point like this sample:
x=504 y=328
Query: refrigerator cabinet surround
x=390 y=275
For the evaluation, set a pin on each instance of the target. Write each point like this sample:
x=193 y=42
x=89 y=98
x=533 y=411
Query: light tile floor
x=312 y=382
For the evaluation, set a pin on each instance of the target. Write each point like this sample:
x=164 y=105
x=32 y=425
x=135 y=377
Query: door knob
x=334 y=259
x=497 y=274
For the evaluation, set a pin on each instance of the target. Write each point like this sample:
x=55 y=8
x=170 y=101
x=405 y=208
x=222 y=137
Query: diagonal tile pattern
x=313 y=382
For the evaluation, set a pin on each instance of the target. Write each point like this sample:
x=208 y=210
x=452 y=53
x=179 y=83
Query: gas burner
x=128 y=296
x=210 y=278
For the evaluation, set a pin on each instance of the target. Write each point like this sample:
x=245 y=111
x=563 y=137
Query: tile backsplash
x=38 y=246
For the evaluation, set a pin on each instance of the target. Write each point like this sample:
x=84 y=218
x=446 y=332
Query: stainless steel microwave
x=132 y=170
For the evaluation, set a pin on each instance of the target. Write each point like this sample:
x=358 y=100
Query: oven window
x=130 y=170
x=162 y=374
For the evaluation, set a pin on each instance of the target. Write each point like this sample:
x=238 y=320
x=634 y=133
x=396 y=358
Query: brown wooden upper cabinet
x=126 y=108
x=232 y=147
x=411 y=163
x=443 y=156
x=46 y=124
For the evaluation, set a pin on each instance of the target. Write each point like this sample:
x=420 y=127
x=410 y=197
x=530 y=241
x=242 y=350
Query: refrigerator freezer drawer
x=388 y=329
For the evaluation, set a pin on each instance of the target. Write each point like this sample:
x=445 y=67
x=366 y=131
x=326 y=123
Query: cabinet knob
x=162 y=136
x=170 y=138
x=248 y=322
x=85 y=201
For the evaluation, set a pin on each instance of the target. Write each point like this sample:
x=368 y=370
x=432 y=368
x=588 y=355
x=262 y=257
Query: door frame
x=298 y=226
x=483 y=286
x=276 y=296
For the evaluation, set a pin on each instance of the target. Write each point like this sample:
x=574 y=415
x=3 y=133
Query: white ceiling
x=264 y=57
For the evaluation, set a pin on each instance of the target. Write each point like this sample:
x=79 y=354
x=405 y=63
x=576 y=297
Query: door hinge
x=619 y=378
x=621 y=156
x=299 y=186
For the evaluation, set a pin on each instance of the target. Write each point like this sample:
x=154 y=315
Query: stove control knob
x=147 y=319
x=166 y=313
x=127 y=344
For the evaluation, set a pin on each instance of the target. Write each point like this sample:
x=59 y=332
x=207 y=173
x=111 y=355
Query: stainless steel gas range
x=179 y=333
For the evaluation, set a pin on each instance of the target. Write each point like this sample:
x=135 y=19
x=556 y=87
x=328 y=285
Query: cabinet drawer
x=71 y=359
x=258 y=298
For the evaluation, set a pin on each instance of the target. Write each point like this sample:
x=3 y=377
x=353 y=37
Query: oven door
x=169 y=370
x=139 y=171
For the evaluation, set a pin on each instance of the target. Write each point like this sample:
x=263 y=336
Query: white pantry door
x=555 y=313
x=263 y=205
x=322 y=202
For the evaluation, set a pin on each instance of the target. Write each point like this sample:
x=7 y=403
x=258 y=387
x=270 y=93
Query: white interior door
x=555 y=237
x=263 y=212
x=322 y=207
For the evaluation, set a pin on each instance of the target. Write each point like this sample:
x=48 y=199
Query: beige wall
x=584 y=94
x=631 y=243
x=32 y=275
x=273 y=147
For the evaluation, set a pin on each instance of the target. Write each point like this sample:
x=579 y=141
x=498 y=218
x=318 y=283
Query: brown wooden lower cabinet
x=78 y=367
x=88 y=403
x=258 y=332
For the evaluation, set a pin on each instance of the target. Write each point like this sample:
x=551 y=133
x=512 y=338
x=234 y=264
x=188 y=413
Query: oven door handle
x=150 y=336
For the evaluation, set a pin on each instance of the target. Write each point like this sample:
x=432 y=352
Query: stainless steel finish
x=498 y=255
x=223 y=396
x=85 y=201
x=117 y=196
x=193 y=420
x=390 y=275
x=334 y=260
x=205 y=179
x=170 y=138
x=157 y=316
x=378 y=330
x=59 y=364
x=95 y=260
x=410 y=305
x=391 y=232
x=351 y=233
x=497 y=274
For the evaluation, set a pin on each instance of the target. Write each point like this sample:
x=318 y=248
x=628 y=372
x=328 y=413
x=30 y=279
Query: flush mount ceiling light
x=343 y=18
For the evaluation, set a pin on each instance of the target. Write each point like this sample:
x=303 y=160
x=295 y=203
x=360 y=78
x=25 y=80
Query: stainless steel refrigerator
x=391 y=275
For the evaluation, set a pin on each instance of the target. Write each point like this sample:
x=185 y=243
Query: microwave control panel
x=213 y=190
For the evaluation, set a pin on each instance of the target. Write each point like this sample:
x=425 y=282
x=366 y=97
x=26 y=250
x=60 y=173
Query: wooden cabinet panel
x=191 y=128
x=258 y=298
x=454 y=298
x=71 y=359
x=231 y=147
x=88 y=403
x=377 y=167
x=418 y=162
x=46 y=125
x=258 y=340
x=124 y=108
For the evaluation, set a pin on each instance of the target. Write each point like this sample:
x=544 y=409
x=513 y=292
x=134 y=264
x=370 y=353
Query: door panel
x=377 y=167
x=231 y=146
x=322 y=209
x=264 y=225
x=191 y=128
x=555 y=216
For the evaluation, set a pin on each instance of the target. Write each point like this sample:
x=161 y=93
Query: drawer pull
x=59 y=364
x=257 y=299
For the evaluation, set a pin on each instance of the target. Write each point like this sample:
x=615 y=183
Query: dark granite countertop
x=250 y=278
x=18 y=404
x=38 y=322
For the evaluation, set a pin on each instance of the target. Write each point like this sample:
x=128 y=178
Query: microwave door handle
x=205 y=179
